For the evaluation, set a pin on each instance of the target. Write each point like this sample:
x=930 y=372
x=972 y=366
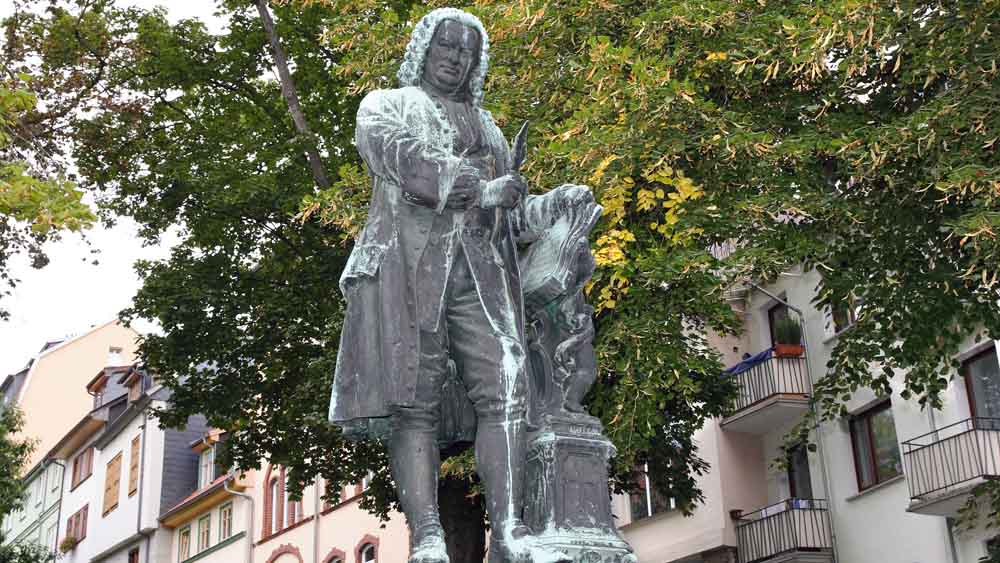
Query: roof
x=51 y=344
x=107 y=373
x=200 y=492
x=210 y=437
x=194 y=503
x=129 y=376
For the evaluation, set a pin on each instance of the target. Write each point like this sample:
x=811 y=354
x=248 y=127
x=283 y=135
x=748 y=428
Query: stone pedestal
x=568 y=504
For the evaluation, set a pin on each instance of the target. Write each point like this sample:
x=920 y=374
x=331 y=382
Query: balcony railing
x=951 y=457
x=773 y=376
x=793 y=525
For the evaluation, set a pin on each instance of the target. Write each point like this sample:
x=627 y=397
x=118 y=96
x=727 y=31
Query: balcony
x=792 y=531
x=773 y=392
x=942 y=467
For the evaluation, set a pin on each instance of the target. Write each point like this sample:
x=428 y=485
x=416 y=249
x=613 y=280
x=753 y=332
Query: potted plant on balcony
x=788 y=339
x=68 y=544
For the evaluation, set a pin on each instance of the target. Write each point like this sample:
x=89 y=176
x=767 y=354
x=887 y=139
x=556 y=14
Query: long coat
x=378 y=358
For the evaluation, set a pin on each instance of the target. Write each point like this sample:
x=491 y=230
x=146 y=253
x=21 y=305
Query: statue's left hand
x=505 y=192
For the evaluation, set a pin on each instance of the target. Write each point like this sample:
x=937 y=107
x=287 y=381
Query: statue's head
x=450 y=50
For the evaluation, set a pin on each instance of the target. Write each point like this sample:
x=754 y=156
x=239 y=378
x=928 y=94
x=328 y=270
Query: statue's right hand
x=465 y=191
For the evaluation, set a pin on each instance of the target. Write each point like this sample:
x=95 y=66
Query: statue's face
x=453 y=53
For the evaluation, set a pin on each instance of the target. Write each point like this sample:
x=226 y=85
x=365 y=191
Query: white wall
x=87 y=492
x=872 y=527
x=121 y=523
x=669 y=536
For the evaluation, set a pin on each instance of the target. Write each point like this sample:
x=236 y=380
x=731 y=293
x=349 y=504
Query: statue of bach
x=433 y=287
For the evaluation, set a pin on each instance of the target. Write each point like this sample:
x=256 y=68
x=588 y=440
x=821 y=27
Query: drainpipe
x=225 y=485
x=62 y=475
x=949 y=530
x=828 y=484
x=142 y=474
x=316 y=515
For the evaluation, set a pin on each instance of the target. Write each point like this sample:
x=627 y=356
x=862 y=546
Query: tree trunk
x=292 y=98
x=464 y=521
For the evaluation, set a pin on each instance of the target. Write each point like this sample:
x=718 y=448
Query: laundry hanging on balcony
x=749 y=362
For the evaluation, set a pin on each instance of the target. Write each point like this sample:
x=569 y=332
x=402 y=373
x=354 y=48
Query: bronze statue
x=434 y=348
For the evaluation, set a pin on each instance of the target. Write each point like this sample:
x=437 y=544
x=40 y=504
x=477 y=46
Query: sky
x=71 y=294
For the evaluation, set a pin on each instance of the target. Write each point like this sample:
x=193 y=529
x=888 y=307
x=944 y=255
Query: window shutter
x=112 y=482
x=86 y=464
x=71 y=526
x=133 y=468
x=82 y=521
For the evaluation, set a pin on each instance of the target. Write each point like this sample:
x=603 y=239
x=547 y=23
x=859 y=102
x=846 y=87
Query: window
x=293 y=513
x=367 y=554
x=83 y=467
x=646 y=501
x=273 y=503
x=38 y=490
x=799 y=478
x=112 y=483
x=982 y=380
x=876 y=450
x=225 y=521
x=133 y=555
x=115 y=356
x=50 y=535
x=55 y=477
x=76 y=526
x=184 y=544
x=846 y=313
x=206 y=472
x=204 y=532
x=133 y=467
x=775 y=315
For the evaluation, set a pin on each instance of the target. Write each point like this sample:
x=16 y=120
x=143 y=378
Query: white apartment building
x=122 y=470
x=884 y=484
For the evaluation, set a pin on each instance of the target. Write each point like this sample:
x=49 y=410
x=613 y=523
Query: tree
x=24 y=553
x=14 y=454
x=188 y=129
x=35 y=204
x=852 y=136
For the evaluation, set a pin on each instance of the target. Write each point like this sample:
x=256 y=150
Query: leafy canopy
x=857 y=137
x=190 y=129
x=35 y=204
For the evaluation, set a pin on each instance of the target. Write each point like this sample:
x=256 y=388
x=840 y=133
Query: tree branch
x=288 y=92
